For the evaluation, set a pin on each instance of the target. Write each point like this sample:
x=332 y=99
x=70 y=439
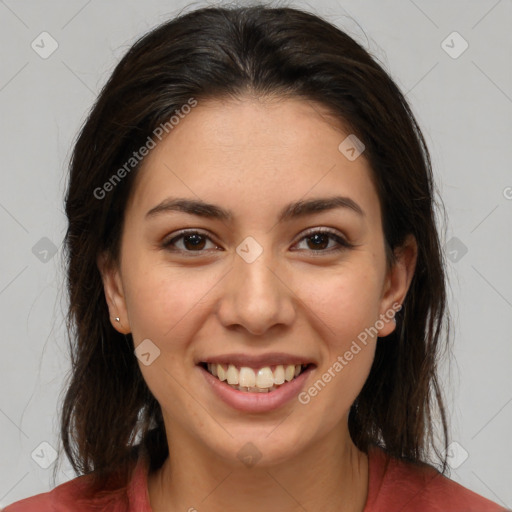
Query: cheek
x=346 y=301
x=161 y=300
x=167 y=305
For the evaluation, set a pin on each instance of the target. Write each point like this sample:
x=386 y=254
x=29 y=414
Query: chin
x=262 y=446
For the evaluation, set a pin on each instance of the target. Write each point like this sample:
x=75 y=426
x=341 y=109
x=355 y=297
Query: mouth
x=263 y=379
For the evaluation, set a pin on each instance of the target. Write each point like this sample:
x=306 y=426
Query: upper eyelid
x=185 y=232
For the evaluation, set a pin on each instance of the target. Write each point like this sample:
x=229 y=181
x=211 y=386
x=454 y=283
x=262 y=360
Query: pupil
x=316 y=237
x=196 y=240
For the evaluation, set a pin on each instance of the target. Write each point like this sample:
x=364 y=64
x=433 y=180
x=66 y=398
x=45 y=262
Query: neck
x=330 y=476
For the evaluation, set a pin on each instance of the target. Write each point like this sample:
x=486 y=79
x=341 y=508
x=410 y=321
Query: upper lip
x=257 y=361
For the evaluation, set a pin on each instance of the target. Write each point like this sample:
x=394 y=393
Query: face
x=255 y=288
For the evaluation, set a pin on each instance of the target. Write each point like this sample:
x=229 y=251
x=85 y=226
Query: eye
x=319 y=241
x=193 y=241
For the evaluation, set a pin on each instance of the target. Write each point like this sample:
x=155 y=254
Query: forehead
x=252 y=153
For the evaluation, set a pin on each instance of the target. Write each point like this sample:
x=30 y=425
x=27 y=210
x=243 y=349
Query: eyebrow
x=291 y=211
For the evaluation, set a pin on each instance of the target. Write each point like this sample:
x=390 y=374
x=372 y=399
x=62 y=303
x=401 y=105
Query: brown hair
x=109 y=415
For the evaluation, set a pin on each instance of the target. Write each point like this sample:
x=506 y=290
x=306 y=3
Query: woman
x=257 y=289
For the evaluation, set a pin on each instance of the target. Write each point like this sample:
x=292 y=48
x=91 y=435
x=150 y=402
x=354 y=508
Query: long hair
x=109 y=415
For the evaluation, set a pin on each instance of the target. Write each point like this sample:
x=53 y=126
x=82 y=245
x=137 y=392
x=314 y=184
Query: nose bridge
x=255 y=296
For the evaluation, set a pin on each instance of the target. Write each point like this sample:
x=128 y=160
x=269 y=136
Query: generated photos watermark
x=343 y=360
x=143 y=151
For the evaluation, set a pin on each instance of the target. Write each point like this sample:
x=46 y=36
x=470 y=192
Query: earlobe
x=114 y=294
x=397 y=282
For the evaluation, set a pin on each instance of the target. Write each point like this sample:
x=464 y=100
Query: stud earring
x=118 y=319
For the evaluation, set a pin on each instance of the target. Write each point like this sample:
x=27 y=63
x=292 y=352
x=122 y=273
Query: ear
x=397 y=282
x=114 y=294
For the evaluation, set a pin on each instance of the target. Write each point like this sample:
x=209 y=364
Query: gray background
x=463 y=104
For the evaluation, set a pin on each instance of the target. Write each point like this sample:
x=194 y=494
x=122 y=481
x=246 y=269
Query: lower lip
x=257 y=402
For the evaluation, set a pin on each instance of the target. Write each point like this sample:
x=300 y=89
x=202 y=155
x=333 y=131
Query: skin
x=253 y=157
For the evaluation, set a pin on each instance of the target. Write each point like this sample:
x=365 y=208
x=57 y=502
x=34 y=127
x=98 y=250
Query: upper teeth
x=248 y=377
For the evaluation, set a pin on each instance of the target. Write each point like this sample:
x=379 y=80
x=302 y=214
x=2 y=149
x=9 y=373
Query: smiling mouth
x=255 y=380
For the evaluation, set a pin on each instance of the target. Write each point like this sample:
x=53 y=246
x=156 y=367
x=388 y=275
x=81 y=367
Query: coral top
x=393 y=486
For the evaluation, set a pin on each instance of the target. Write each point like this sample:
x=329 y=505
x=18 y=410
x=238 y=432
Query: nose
x=256 y=297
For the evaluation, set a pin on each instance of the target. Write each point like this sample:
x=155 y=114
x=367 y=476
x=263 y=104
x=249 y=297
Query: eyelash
x=343 y=244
